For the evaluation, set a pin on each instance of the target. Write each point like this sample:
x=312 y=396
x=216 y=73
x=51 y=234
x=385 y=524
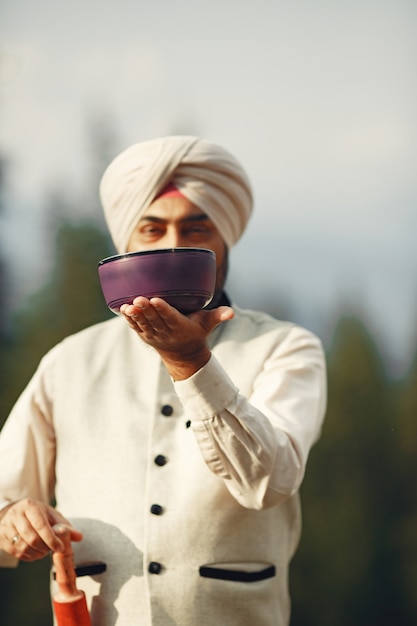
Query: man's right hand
x=26 y=530
x=180 y=340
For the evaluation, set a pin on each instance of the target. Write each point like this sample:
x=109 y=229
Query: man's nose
x=175 y=239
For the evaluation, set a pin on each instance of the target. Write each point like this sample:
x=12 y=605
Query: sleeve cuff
x=207 y=392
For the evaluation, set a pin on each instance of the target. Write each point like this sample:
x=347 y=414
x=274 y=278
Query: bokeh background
x=318 y=101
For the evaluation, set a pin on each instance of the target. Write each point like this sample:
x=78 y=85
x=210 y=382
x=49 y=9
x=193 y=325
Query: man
x=176 y=451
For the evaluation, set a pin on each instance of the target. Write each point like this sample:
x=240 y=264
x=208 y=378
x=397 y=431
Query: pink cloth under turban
x=205 y=173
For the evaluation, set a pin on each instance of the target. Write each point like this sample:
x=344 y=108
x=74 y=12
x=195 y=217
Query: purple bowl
x=184 y=277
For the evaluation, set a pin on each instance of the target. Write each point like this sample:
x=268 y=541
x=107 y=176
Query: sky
x=317 y=99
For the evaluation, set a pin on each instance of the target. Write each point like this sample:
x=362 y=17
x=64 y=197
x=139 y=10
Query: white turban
x=206 y=174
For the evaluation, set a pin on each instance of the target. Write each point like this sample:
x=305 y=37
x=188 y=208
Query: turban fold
x=205 y=173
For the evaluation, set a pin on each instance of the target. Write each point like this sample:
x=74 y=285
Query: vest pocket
x=239 y=572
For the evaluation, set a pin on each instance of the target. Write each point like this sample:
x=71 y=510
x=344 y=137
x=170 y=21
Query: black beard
x=220 y=298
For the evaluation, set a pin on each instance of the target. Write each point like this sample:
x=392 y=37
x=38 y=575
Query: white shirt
x=221 y=455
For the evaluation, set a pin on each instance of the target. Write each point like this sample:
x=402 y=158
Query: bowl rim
x=180 y=249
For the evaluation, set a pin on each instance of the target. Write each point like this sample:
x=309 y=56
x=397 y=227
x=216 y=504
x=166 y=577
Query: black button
x=154 y=567
x=167 y=410
x=161 y=460
x=156 y=509
x=188 y=424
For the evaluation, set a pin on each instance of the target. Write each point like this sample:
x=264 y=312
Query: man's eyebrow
x=197 y=217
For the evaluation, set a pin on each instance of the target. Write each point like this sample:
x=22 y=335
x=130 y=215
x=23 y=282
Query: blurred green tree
x=69 y=301
x=405 y=538
x=346 y=570
x=71 y=298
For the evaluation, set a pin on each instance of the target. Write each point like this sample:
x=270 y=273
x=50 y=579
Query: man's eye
x=198 y=228
x=151 y=230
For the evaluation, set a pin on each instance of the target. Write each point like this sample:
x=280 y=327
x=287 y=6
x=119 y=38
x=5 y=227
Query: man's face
x=174 y=222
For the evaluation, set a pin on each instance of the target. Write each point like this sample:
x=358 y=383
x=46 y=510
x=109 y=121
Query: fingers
x=225 y=313
x=212 y=318
x=66 y=532
x=156 y=315
x=28 y=520
x=163 y=327
x=27 y=533
x=149 y=316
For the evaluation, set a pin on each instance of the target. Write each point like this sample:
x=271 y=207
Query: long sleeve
x=259 y=444
x=27 y=446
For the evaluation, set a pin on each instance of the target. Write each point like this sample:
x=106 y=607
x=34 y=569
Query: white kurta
x=177 y=487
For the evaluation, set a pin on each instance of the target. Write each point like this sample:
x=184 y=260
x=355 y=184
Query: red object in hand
x=69 y=603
